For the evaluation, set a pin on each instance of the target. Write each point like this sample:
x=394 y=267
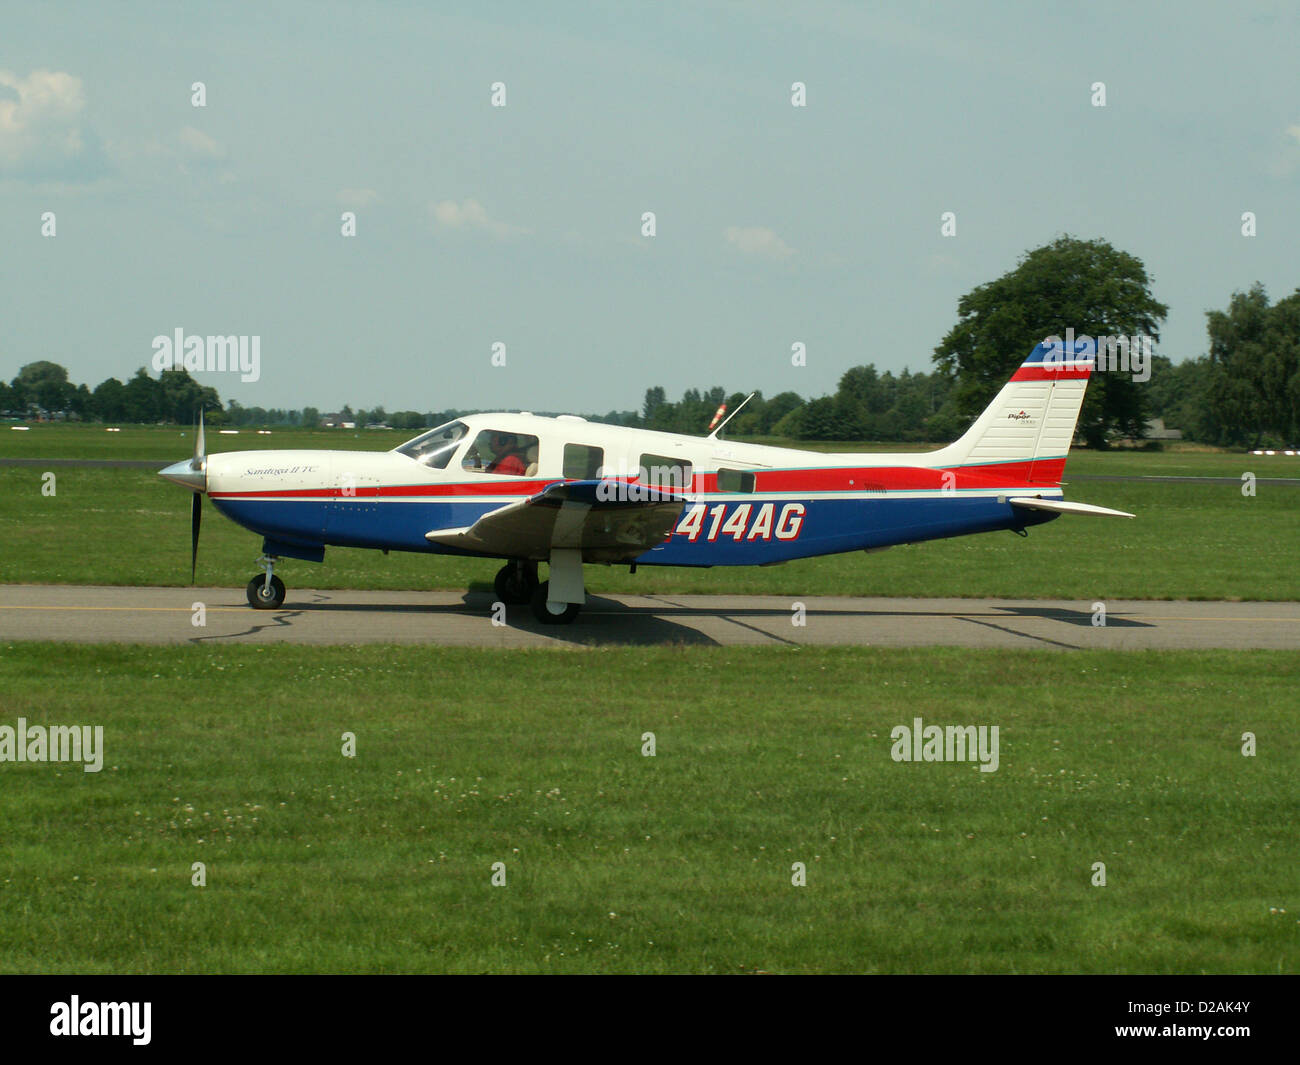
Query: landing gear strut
x=516 y=581
x=266 y=592
x=542 y=610
x=558 y=600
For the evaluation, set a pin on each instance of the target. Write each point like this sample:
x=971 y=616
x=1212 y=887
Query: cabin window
x=662 y=472
x=504 y=453
x=583 y=462
x=735 y=481
x=434 y=448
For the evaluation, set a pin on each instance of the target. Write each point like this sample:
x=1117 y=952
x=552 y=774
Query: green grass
x=55 y=440
x=111 y=526
x=622 y=863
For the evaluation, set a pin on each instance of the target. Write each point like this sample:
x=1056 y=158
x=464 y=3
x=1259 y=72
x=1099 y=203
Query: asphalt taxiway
x=85 y=614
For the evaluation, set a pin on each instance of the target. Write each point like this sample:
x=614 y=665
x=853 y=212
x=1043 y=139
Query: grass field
x=675 y=863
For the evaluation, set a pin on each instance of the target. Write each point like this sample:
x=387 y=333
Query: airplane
x=529 y=489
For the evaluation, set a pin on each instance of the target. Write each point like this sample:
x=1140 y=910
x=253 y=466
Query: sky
x=522 y=225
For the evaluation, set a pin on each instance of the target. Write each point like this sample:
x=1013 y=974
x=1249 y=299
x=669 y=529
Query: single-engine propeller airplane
x=569 y=492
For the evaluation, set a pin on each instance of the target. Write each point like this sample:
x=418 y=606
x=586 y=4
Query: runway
x=82 y=614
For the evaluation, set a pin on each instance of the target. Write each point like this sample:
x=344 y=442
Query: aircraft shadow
x=603 y=621
x=608 y=622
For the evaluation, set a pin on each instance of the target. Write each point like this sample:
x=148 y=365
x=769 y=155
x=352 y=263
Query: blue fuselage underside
x=829 y=526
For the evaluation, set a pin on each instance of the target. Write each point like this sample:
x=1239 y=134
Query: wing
x=605 y=520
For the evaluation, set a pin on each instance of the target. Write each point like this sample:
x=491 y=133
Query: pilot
x=508 y=459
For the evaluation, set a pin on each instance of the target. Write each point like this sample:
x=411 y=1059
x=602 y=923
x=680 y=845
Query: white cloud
x=1294 y=132
x=199 y=145
x=42 y=134
x=470 y=214
x=757 y=240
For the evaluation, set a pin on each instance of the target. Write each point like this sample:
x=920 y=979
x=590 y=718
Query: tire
x=514 y=588
x=257 y=597
x=543 y=613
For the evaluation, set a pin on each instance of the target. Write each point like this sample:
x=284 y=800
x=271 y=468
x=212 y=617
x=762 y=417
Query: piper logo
x=102 y=1018
x=1020 y=416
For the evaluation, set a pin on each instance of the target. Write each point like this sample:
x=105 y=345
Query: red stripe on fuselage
x=911 y=478
x=827 y=479
x=500 y=488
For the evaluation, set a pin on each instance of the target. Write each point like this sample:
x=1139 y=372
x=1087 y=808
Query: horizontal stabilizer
x=1061 y=506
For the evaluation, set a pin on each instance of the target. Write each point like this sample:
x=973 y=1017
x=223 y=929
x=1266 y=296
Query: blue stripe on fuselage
x=828 y=526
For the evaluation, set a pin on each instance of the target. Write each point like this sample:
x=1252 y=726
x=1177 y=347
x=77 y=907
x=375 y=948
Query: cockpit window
x=505 y=454
x=434 y=448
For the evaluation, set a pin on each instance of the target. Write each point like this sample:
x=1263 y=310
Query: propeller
x=200 y=448
x=192 y=474
x=196 y=519
x=197 y=464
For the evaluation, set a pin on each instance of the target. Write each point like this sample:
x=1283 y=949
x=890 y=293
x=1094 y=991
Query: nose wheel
x=266 y=592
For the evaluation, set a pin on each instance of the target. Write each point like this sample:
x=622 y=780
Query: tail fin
x=1033 y=418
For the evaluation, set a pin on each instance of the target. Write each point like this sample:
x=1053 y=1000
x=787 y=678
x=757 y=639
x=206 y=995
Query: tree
x=44 y=384
x=654 y=399
x=80 y=402
x=181 y=397
x=776 y=409
x=142 y=398
x=1084 y=285
x=1253 y=376
x=108 y=401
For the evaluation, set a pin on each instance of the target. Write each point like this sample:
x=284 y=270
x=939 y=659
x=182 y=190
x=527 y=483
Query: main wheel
x=260 y=597
x=514 y=586
x=543 y=612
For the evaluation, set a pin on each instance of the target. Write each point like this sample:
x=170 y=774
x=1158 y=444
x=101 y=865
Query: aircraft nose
x=184 y=474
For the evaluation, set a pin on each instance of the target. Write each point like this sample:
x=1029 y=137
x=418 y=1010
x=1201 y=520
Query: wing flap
x=605 y=524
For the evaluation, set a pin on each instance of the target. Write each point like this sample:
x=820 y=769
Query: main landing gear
x=516 y=582
x=554 y=602
x=542 y=609
x=266 y=592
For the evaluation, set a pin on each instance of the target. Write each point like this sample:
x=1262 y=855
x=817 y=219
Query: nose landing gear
x=266 y=592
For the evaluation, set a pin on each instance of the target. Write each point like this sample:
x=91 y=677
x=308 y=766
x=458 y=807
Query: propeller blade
x=200 y=446
x=196 y=519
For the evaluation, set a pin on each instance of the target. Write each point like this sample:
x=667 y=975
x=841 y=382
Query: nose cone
x=184 y=474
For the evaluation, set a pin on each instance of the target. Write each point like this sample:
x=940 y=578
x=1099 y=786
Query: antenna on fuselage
x=739 y=406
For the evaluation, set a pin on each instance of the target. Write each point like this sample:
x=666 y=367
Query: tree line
x=1245 y=391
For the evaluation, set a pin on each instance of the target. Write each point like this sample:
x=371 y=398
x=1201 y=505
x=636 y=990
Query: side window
x=502 y=453
x=662 y=472
x=583 y=463
x=735 y=481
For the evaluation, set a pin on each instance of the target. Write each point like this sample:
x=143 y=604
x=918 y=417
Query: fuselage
x=745 y=504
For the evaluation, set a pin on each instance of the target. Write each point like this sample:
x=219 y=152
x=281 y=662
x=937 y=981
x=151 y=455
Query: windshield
x=435 y=447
